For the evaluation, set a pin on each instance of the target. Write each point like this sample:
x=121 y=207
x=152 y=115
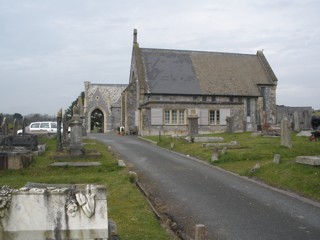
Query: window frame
x=174 y=117
x=214 y=117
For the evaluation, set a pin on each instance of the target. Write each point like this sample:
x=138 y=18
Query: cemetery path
x=231 y=207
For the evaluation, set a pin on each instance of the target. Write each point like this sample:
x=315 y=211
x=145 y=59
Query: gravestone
x=76 y=146
x=15 y=127
x=276 y=159
x=296 y=122
x=224 y=150
x=4 y=127
x=230 y=124
x=47 y=212
x=306 y=120
x=15 y=159
x=285 y=133
x=30 y=142
x=215 y=155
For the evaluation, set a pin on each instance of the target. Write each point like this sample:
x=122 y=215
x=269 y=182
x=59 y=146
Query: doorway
x=97 y=121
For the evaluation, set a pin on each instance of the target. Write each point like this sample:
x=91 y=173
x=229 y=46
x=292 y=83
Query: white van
x=34 y=127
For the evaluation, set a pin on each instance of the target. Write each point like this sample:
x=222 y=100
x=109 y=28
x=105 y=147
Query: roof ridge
x=195 y=51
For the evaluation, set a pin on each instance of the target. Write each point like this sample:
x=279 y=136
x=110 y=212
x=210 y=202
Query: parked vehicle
x=38 y=127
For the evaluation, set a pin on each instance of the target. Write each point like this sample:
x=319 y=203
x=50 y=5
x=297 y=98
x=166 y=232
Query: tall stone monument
x=76 y=146
x=59 y=139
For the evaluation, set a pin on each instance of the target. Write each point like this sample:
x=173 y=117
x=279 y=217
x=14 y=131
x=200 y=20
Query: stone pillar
x=24 y=127
x=285 y=133
x=65 y=138
x=15 y=127
x=59 y=141
x=76 y=147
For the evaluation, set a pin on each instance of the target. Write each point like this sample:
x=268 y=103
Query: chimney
x=135 y=33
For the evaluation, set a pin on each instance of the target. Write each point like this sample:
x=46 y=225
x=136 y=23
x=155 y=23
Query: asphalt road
x=231 y=207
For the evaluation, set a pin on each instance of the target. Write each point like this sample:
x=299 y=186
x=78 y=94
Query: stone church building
x=182 y=91
x=103 y=100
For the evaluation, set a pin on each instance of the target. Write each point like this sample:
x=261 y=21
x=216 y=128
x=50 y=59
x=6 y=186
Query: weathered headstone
x=16 y=159
x=285 y=133
x=296 y=122
x=276 y=159
x=4 y=127
x=29 y=142
x=15 y=127
x=215 y=155
x=224 y=150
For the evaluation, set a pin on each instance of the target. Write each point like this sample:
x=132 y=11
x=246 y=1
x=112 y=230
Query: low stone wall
x=45 y=213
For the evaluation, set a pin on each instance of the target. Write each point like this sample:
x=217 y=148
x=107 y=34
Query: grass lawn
x=288 y=175
x=127 y=207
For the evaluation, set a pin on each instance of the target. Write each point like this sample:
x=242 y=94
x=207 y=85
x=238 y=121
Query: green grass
x=126 y=205
x=288 y=175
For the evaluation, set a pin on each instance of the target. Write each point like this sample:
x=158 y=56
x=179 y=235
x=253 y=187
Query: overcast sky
x=49 y=48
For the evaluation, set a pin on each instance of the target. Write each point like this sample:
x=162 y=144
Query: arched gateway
x=102 y=106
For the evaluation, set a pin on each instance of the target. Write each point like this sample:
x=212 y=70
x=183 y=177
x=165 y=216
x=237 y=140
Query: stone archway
x=97 y=121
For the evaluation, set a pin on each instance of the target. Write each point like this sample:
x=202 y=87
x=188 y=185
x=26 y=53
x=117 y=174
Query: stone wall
x=299 y=117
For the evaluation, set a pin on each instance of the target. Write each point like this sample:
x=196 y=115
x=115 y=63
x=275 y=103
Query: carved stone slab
x=75 y=212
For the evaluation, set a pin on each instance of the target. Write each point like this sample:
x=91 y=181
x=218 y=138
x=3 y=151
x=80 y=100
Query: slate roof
x=207 y=73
